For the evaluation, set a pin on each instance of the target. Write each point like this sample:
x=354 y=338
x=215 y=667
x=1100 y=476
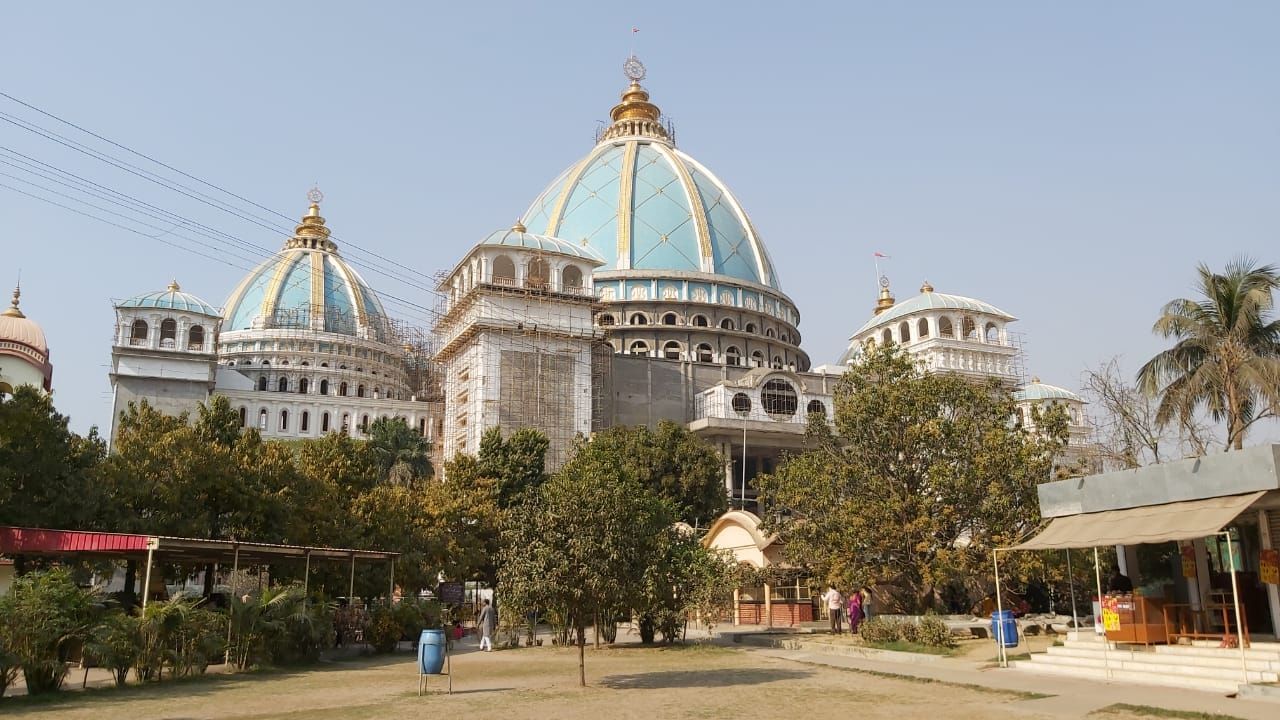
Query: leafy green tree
x=921 y=475
x=1226 y=357
x=671 y=462
x=517 y=464
x=402 y=454
x=47 y=473
x=581 y=547
x=116 y=644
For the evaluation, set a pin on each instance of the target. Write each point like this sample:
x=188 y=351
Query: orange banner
x=1269 y=566
x=1188 y=561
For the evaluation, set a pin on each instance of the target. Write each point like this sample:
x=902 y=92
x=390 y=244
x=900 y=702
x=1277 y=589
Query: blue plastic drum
x=1003 y=626
x=431 y=651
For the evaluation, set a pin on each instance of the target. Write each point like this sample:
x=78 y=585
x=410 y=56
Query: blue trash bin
x=1004 y=626
x=431 y=651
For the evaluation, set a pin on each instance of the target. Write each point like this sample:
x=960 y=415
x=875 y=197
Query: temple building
x=24 y=353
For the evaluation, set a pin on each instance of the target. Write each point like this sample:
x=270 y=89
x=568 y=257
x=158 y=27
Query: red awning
x=15 y=541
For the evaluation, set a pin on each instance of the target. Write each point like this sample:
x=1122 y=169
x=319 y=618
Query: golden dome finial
x=311 y=232
x=13 y=310
x=173 y=286
x=519 y=228
x=1035 y=379
x=886 y=299
x=635 y=115
x=927 y=287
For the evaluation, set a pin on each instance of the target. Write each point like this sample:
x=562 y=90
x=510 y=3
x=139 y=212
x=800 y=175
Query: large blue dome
x=307 y=285
x=644 y=205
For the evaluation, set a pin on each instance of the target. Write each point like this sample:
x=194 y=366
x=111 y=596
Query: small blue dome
x=930 y=300
x=1036 y=391
x=171 y=299
x=517 y=237
x=307 y=285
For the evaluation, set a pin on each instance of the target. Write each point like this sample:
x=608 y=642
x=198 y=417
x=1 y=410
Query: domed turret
x=24 y=353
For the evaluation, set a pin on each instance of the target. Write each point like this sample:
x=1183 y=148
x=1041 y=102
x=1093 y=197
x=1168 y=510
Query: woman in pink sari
x=855 y=611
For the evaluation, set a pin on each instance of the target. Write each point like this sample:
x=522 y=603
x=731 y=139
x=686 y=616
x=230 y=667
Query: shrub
x=416 y=615
x=116 y=644
x=279 y=627
x=42 y=618
x=932 y=631
x=180 y=634
x=879 y=630
x=384 y=629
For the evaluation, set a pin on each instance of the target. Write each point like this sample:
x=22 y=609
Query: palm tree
x=1227 y=355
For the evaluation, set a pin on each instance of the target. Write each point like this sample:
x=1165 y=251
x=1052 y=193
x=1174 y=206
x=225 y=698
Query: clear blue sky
x=1068 y=162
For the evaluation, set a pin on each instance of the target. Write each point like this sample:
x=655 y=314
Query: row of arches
x=703 y=353
x=304 y=386
x=538 y=273
x=140 y=334
x=943 y=327
x=669 y=293
x=697 y=320
x=328 y=421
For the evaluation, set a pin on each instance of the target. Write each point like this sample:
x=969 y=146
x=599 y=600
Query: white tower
x=24 y=353
x=163 y=352
x=517 y=341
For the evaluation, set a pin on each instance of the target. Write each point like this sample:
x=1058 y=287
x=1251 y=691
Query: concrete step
x=1157 y=668
x=1252 y=653
x=1142 y=678
x=1216 y=659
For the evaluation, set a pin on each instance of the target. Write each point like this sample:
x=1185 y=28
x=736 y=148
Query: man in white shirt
x=835 y=604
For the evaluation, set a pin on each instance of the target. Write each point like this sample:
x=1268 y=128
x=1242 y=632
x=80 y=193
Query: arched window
x=638 y=319
x=970 y=331
x=671 y=350
x=306 y=422
x=699 y=321
x=639 y=347
x=265 y=363
x=992 y=333
x=284 y=420
x=749 y=327
x=816 y=407
x=757 y=359
x=504 y=271
x=377 y=391
x=138 y=332
x=539 y=277
x=282 y=384
x=324 y=387
x=945 y=328
x=886 y=336
x=784 y=337
x=704 y=354
x=346 y=423
x=324 y=423
x=342 y=389
x=777 y=363
x=262 y=420
x=244 y=416
x=904 y=331
x=1022 y=417
x=571 y=277
x=922 y=328
x=262 y=382
x=195 y=338
x=726 y=324
x=303 y=386
x=364 y=423
x=732 y=356
x=768 y=332
x=360 y=391
x=777 y=397
x=604 y=320
x=168 y=332
x=670 y=319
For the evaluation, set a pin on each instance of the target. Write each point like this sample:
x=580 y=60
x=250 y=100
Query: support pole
x=1000 y=652
x=351 y=584
x=1106 y=644
x=146 y=582
x=1235 y=597
x=306 y=578
x=744 y=462
x=231 y=591
x=391 y=589
x=1071 y=583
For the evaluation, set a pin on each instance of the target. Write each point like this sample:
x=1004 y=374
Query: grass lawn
x=624 y=682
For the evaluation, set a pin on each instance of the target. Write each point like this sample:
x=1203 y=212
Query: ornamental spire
x=886 y=299
x=12 y=310
x=635 y=115
x=311 y=232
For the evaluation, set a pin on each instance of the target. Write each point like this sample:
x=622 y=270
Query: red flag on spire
x=882 y=255
x=635 y=29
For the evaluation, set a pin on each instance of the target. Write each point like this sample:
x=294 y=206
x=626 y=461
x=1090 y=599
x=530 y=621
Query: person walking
x=835 y=603
x=487 y=624
x=865 y=592
x=855 y=611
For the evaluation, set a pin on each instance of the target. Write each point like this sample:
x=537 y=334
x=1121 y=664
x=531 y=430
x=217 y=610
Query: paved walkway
x=1071 y=697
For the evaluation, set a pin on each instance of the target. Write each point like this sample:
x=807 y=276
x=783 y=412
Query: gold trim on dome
x=626 y=198
x=571 y=180
x=707 y=261
x=635 y=116
x=317 y=290
x=272 y=292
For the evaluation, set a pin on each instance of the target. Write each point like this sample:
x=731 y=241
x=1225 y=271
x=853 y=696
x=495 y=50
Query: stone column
x=768 y=605
x=737 y=618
